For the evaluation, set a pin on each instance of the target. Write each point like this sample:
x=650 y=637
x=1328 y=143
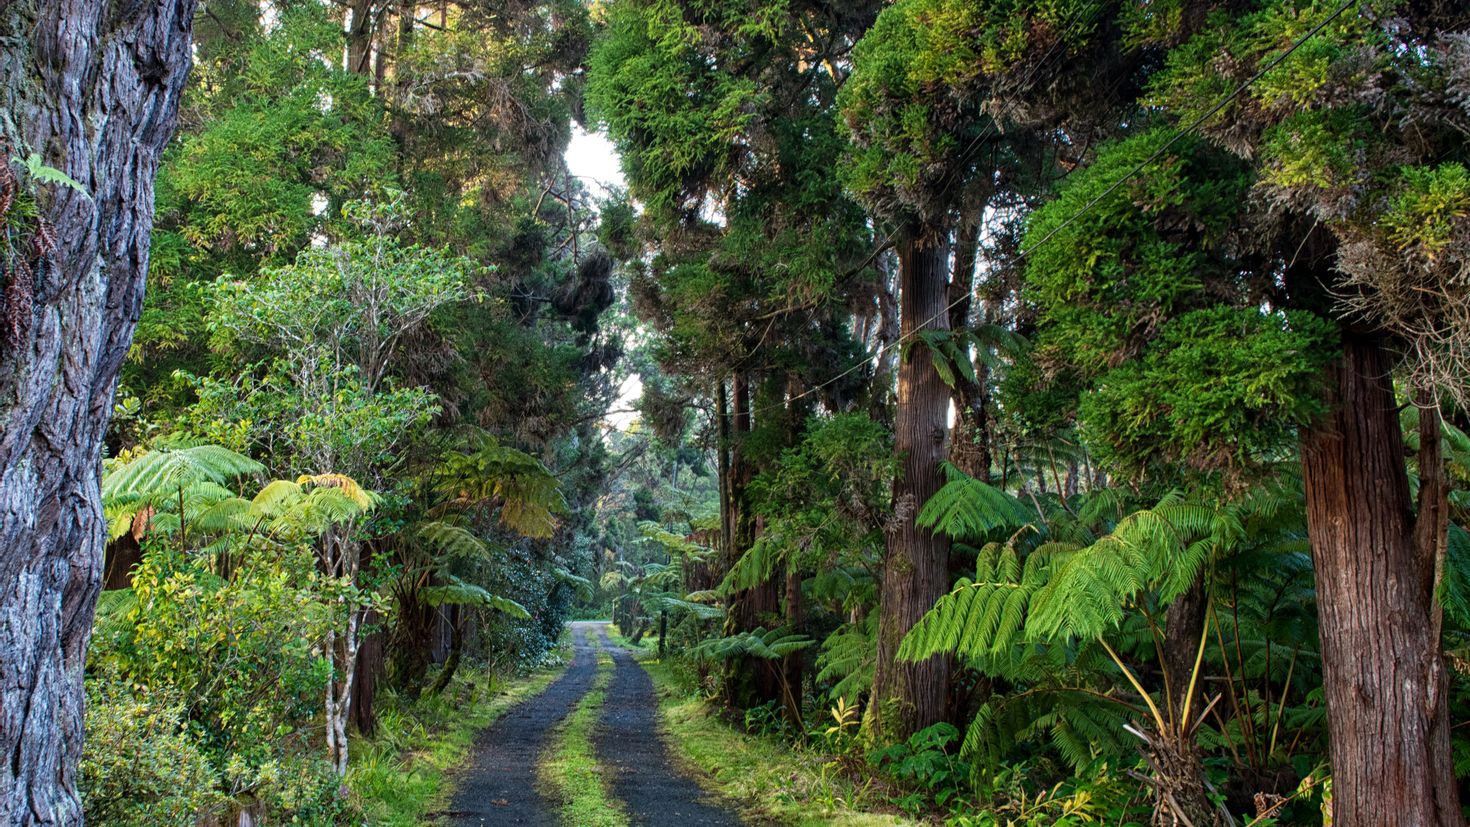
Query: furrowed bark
x=93 y=88
x=1383 y=674
x=910 y=696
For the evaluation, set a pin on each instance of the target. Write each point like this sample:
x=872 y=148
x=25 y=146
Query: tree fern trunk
x=1383 y=675
x=93 y=88
x=910 y=696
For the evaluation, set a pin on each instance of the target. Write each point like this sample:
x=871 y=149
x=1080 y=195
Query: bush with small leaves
x=140 y=763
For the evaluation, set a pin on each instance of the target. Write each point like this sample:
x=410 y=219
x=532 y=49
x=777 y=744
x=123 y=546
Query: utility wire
x=1020 y=254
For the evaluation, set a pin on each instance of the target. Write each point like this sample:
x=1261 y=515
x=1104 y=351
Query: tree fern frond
x=528 y=493
x=453 y=542
x=966 y=508
x=361 y=497
x=275 y=499
x=456 y=592
x=756 y=566
x=772 y=644
x=163 y=472
x=674 y=605
x=847 y=657
x=225 y=515
x=581 y=585
x=1454 y=586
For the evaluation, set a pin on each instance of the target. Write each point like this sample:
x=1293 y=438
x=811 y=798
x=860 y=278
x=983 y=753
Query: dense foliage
x=1050 y=413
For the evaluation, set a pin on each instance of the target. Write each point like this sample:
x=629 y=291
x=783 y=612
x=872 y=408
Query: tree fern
x=581 y=585
x=151 y=477
x=674 y=544
x=528 y=495
x=848 y=657
x=967 y=509
x=456 y=592
x=451 y=543
x=773 y=644
x=674 y=605
x=756 y=566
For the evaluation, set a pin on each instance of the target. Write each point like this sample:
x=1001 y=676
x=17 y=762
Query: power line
x=1020 y=254
x=991 y=129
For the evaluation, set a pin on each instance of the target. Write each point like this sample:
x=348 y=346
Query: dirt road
x=500 y=788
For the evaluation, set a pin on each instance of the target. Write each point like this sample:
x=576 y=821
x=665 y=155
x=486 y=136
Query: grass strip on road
x=569 y=770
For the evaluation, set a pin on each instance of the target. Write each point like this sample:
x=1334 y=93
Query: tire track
x=628 y=745
x=499 y=787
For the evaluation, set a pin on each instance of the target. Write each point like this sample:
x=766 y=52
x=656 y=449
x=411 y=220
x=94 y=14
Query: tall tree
x=913 y=154
x=759 y=249
x=1261 y=290
x=89 y=88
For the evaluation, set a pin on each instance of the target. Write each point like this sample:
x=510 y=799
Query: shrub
x=140 y=765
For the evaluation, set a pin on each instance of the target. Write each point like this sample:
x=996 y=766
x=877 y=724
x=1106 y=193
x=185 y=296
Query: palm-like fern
x=1059 y=591
x=161 y=473
x=528 y=495
x=772 y=644
x=848 y=658
x=456 y=592
x=183 y=493
x=967 y=509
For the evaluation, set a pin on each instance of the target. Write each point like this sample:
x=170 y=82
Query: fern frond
x=674 y=605
x=275 y=499
x=364 y=499
x=756 y=566
x=967 y=509
x=528 y=493
x=453 y=542
x=226 y=515
x=155 y=475
x=581 y=585
x=848 y=657
x=456 y=592
x=758 y=643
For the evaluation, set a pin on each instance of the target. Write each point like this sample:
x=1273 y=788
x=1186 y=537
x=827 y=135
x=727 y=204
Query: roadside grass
x=405 y=773
x=775 y=781
x=569 y=769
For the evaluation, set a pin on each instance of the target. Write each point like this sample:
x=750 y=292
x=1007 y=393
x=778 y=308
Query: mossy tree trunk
x=91 y=87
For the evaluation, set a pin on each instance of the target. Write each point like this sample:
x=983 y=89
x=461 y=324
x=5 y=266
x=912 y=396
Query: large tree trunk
x=1382 y=671
x=748 y=681
x=910 y=696
x=93 y=88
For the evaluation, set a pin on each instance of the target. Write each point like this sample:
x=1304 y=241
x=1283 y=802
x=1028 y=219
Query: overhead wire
x=1021 y=254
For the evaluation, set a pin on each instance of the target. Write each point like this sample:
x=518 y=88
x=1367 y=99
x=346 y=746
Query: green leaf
x=44 y=174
